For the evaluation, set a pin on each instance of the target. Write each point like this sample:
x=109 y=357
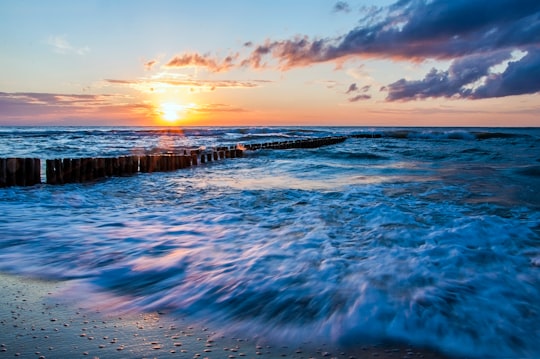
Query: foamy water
x=427 y=236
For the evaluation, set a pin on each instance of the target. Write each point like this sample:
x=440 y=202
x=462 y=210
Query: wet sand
x=36 y=323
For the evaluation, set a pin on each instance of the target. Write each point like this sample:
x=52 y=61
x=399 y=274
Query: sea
x=424 y=236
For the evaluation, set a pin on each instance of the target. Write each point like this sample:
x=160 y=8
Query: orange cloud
x=198 y=60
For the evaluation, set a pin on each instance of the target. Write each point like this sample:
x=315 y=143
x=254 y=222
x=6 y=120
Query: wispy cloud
x=59 y=100
x=160 y=82
x=61 y=45
x=205 y=61
x=219 y=107
x=148 y=65
x=37 y=108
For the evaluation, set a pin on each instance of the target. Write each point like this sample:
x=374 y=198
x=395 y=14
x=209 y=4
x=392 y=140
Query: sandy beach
x=36 y=323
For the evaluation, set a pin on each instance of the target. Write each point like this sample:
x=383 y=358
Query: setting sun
x=171 y=112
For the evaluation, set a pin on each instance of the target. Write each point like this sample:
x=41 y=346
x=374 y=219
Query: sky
x=270 y=63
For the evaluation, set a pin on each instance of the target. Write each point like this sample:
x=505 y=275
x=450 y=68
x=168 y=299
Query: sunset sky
x=279 y=62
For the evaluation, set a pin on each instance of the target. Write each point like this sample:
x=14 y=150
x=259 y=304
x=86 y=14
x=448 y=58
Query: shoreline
x=35 y=323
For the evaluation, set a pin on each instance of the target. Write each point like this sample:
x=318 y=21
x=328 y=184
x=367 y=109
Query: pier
x=27 y=171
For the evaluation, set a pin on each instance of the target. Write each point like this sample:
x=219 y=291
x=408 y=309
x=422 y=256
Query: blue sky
x=368 y=63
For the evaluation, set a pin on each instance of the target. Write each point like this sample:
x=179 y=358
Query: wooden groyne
x=20 y=172
x=27 y=171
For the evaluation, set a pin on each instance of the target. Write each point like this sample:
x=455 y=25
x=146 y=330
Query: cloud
x=219 y=107
x=520 y=77
x=359 y=97
x=149 y=64
x=342 y=6
x=57 y=100
x=421 y=29
x=475 y=35
x=452 y=83
x=39 y=108
x=470 y=77
x=160 y=82
x=62 y=46
x=197 y=60
x=352 y=88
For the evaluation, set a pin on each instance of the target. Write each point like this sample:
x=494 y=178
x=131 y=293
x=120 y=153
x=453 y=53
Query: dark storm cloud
x=418 y=29
x=520 y=77
x=451 y=83
x=476 y=35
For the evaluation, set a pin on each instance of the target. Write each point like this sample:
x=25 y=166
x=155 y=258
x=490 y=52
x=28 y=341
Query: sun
x=171 y=112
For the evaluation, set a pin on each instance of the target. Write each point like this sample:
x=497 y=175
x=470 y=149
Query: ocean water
x=427 y=236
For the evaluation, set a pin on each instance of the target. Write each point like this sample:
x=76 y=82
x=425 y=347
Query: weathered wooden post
x=100 y=167
x=19 y=172
x=143 y=162
x=3 y=173
x=186 y=161
x=66 y=170
x=58 y=171
x=194 y=158
x=49 y=172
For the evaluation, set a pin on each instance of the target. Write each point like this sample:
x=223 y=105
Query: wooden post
x=67 y=170
x=89 y=169
x=29 y=172
x=216 y=155
x=58 y=171
x=82 y=170
x=194 y=158
x=37 y=170
x=154 y=163
x=121 y=166
x=19 y=172
x=239 y=153
x=75 y=170
x=100 y=167
x=128 y=166
x=11 y=171
x=186 y=161
x=108 y=167
x=144 y=164
x=49 y=171
x=3 y=173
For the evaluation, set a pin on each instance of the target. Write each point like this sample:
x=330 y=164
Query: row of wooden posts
x=27 y=171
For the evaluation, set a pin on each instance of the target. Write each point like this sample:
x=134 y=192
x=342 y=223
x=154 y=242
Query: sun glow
x=171 y=112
